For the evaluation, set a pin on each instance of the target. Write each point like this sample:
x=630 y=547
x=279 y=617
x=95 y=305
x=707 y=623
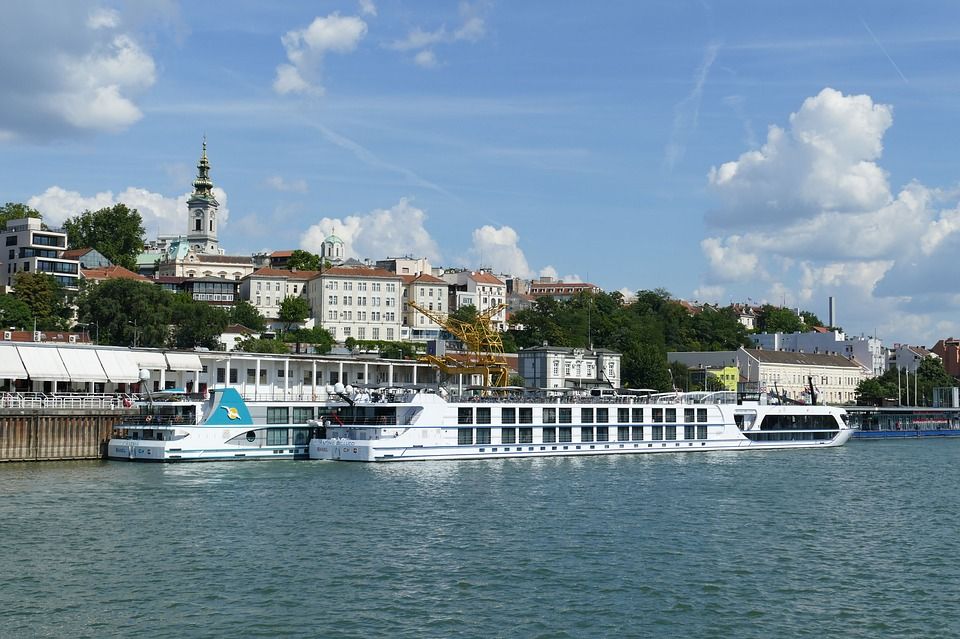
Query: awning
x=10 y=365
x=43 y=363
x=151 y=360
x=82 y=364
x=184 y=361
x=120 y=366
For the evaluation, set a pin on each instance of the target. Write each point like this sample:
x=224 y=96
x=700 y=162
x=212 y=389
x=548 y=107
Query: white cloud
x=367 y=8
x=380 y=233
x=278 y=183
x=500 y=249
x=73 y=72
x=161 y=214
x=306 y=49
x=472 y=29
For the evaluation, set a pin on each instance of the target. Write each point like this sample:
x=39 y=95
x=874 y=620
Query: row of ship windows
x=564 y=434
x=524 y=415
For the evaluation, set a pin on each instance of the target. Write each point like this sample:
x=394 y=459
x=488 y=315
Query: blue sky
x=725 y=151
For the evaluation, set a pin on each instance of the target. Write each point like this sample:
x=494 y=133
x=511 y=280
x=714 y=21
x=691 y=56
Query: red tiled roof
x=485 y=278
x=72 y=254
x=424 y=278
x=111 y=273
x=281 y=254
x=239 y=328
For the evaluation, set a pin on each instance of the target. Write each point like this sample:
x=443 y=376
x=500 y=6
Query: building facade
x=266 y=288
x=479 y=289
x=558 y=367
x=28 y=247
x=430 y=293
x=867 y=351
x=358 y=302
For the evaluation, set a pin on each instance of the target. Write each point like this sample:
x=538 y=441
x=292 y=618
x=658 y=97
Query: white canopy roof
x=43 y=363
x=82 y=364
x=184 y=361
x=10 y=365
x=120 y=366
x=153 y=360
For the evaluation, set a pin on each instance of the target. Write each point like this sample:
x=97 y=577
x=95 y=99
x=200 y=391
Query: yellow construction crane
x=482 y=342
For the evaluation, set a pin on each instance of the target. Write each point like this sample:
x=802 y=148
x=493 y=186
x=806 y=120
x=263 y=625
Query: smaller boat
x=173 y=426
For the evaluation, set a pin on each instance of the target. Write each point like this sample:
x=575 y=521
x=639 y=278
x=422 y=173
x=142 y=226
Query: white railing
x=66 y=400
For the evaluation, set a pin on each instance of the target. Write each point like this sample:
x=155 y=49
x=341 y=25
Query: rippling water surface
x=860 y=541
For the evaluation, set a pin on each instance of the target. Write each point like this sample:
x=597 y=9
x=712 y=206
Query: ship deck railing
x=67 y=400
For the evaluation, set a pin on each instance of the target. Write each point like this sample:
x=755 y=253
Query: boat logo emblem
x=232 y=412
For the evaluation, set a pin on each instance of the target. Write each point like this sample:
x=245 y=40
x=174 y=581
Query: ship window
x=623 y=433
x=508 y=435
x=251 y=435
x=464 y=415
x=526 y=435
x=637 y=415
x=586 y=415
x=302 y=414
x=566 y=434
x=688 y=415
x=637 y=433
x=671 y=432
x=657 y=433
x=701 y=414
x=586 y=434
x=549 y=435
x=701 y=432
x=549 y=415
x=672 y=415
x=623 y=415
x=508 y=415
x=688 y=432
x=276 y=437
x=483 y=415
x=301 y=436
x=278 y=415
x=483 y=435
x=657 y=415
x=526 y=415
x=566 y=415
x=603 y=434
x=603 y=415
x=464 y=436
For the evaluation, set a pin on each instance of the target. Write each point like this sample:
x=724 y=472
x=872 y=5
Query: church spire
x=203 y=186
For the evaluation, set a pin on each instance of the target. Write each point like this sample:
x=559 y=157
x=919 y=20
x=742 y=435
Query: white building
x=406 y=265
x=867 y=351
x=358 y=302
x=266 y=288
x=27 y=247
x=429 y=292
x=908 y=358
x=562 y=367
x=479 y=289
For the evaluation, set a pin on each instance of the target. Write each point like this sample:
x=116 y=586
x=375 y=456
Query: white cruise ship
x=408 y=426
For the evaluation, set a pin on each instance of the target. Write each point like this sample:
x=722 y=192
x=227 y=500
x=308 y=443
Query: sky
x=749 y=151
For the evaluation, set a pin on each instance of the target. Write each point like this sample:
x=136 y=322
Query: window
x=276 y=436
x=586 y=434
x=251 y=375
x=221 y=375
x=549 y=415
x=657 y=415
x=671 y=432
x=701 y=431
x=278 y=415
x=701 y=414
x=623 y=415
x=302 y=414
x=637 y=415
x=483 y=435
x=603 y=433
x=603 y=415
x=508 y=435
x=623 y=433
x=464 y=436
x=637 y=433
x=688 y=432
x=689 y=416
x=483 y=415
x=657 y=433
x=566 y=415
x=508 y=415
x=672 y=415
x=526 y=435
x=526 y=415
x=233 y=375
x=566 y=434
x=586 y=415
x=464 y=415
x=549 y=435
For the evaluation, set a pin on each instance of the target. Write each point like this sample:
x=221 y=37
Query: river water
x=859 y=541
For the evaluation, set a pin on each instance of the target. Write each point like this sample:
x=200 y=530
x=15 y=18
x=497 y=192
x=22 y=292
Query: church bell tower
x=202 y=211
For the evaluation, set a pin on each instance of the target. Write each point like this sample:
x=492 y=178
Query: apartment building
x=356 y=301
x=28 y=247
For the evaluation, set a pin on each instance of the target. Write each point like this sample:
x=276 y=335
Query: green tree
x=258 y=345
x=246 y=314
x=772 y=319
x=127 y=312
x=196 y=323
x=293 y=310
x=45 y=298
x=15 y=313
x=116 y=231
x=876 y=391
x=16 y=211
x=811 y=321
x=319 y=337
x=304 y=261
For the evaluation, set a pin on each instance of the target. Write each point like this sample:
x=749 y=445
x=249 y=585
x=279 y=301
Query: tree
x=246 y=314
x=293 y=310
x=772 y=319
x=304 y=261
x=319 y=337
x=15 y=313
x=116 y=231
x=196 y=323
x=45 y=298
x=127 y=312
x=16 y=211
x=258 y=345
